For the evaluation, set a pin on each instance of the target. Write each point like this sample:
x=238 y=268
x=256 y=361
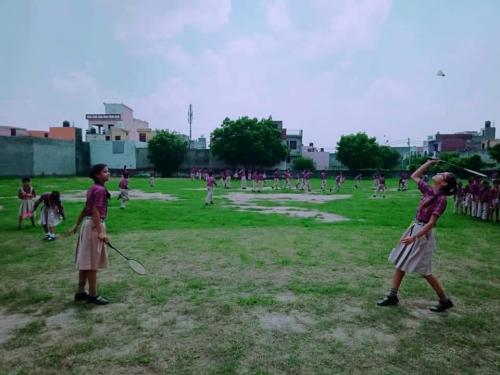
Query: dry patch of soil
x=79 y=196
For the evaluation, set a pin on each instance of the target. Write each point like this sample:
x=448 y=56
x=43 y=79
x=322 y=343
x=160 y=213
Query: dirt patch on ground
x=79 y=196
x=295 y=322
x=361 y=336
x=9 y=323
x=287 y=297
x=246 y=202
x=1 y=207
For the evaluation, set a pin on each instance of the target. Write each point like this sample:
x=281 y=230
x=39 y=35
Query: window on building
x=46 y=135
x=118 y=138
x=12 y=132
x=142 y=137
x=119 y=147
x=108 y=138
x=110 y=126
x=293 y=145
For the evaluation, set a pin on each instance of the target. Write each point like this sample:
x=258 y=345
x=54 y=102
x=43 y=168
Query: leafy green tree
x=249 y=142
x=167 y=150
x=358 y=151
x=301 y=163
x=494 y=152
x=389 y=157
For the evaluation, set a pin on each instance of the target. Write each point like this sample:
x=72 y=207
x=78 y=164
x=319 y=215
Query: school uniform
x=307 y=185
x=417 y=256
x=243 y=178
x=458 y=200
x=210 y=190
x=323 y=181
x=260 y=181
x=287 y=180
x=337 y=183
x=485 y=200
x=123 y=185
x=50 y=214
x=254 y=181
x=91 y=252
x=152 y=176
x=276 y=184
x=26 y=208
x=475 y=190
x=228 y=180
x=357 y=179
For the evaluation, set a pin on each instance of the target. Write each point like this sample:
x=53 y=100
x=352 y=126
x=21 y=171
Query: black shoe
x=211 y=202
x=81 y=296
x=442 y=306
x=389 y=301
x=97 y=300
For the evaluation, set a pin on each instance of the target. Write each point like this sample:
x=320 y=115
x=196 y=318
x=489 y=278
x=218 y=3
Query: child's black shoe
x=442 y=306
x=97 y=300
x=388 y=301
x=81 y=296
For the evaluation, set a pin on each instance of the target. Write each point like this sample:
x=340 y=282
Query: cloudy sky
x=329 y=67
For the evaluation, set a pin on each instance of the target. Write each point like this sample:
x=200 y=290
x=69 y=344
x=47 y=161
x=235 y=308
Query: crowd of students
x=478 y=199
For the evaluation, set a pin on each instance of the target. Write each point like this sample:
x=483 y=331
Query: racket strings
x=137 y=267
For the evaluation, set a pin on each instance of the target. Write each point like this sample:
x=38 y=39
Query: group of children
x=412 y=254
x=479 y=199
x=51 y=213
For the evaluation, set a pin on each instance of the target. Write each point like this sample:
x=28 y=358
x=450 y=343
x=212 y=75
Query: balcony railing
x=91 y=116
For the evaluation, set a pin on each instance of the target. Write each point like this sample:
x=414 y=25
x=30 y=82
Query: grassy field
x=233 y=291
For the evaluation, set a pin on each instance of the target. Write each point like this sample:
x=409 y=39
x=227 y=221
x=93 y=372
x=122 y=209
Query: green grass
x=242 y=292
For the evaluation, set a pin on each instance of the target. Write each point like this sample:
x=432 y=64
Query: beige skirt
x=91 y=252
x=50 y=217
x=26 y=208
x=417 y=256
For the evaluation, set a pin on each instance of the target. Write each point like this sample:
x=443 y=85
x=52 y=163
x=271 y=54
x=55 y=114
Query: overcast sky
x=329 y=67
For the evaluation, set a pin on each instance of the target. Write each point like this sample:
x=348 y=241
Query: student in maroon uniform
x=276 y=184
x=26 y=193
x=51 y=214
x=496 y=200
x=458 y=199
x=414 y=252
x=485 y=199
x=260 y=181
x=322 y=177
x=288 y=176
x=91 y=252
x=357 y=181
x=210 y=189
x=123 y=185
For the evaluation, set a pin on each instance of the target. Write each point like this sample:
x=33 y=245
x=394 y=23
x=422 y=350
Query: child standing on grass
x=381 y=186
x=26 y=193
x=458 y=199
x=276 y=184
x=123 y=197
x=152 y=175
x=287 y=179
x=357 y=181
x=51 y=214
x=210 y=189
x=322 y=177
x=91 y=252
x=414 y=253
x=496 y=200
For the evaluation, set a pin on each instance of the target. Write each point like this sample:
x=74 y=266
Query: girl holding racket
x=91 y=252
x=414 y=252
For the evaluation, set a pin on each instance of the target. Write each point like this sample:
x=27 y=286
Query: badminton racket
x=136 y=266
x=465 y=169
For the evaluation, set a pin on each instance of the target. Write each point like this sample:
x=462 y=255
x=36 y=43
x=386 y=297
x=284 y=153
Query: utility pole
x=409 y=152
x=190 y=121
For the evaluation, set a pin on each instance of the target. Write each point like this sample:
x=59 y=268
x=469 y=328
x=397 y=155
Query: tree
x=494 y=152
x=167 y=151
x=389 y=157
x=249 y=142
x=302 y=163
x=358 y=151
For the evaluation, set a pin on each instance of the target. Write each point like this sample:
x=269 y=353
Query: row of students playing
x=412 y=254
x=51 y=213
x=478 y=199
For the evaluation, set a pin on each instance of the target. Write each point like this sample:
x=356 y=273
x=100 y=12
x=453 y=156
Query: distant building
x=293 y=139
x=320 y=157
x=462 y=142
x=117 y=123
x=199 y=144
x=64 y=132
x=12 y=131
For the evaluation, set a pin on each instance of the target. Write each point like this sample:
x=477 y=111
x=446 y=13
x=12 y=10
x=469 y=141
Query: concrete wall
x=321 y=159
x=105 y=152
x=202 y=159
x=53 y=157
x=16 y=156
x=30 y=156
